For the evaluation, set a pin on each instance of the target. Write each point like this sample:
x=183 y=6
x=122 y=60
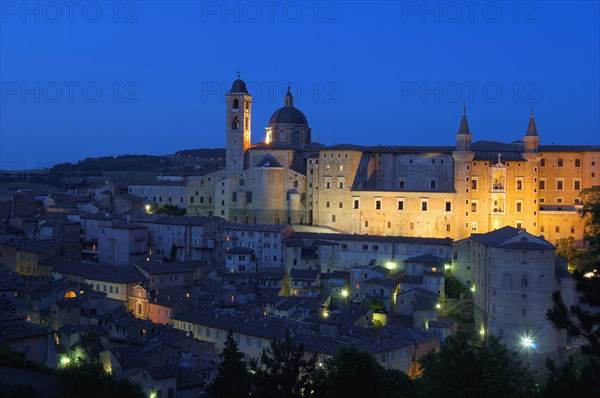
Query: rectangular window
x=424 y=205
x=519 y=207
x=577 y=185
x=401 y=184
x=577 y=162
x=326 y=204
x=341 y=185
x=519 y=185
x=356 y=203
x=474 y=226
x=560 y=163
x=400 y=204
x=542 y=184
x=377 y=204
x=341 y=205
x=234 y=196
x=432 y=184
x=543 y=162
x=473 y=207
x=559 y=184
x=474 y=183
x=249 y=197
x=448 y=206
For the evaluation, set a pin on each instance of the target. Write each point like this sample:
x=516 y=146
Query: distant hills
x=130 y=167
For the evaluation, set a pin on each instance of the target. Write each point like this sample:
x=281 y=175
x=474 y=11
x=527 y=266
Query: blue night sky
x=108 y=78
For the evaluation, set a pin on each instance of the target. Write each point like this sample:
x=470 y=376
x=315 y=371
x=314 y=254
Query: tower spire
x=531 y=128
x=464 y=125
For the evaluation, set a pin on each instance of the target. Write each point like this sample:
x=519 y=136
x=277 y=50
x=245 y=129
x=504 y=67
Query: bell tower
x=237 y=126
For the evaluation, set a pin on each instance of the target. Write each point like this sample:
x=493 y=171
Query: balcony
x=498 y=188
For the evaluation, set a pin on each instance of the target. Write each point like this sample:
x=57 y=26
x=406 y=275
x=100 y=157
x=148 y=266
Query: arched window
x=296 y=138
x=70 y=294
x=524 y=280
x=235 y=122
x=236 y=104
x=282 y=136
x=506 y=281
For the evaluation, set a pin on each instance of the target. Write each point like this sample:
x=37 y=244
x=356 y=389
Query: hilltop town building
x=426 y=191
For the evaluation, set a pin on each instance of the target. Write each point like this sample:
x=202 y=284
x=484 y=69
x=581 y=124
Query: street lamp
x=528 y=342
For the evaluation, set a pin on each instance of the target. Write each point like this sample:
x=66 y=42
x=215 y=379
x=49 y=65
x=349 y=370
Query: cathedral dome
x=288 y=114
x=238 y=86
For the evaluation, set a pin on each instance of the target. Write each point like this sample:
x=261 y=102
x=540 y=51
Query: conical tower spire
x=531 y=128
x=464 y=125
x=463 y=137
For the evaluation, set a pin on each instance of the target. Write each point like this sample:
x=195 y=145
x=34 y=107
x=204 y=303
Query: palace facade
x=421 y=191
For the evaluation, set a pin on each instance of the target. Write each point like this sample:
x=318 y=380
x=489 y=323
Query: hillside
x=91 y=171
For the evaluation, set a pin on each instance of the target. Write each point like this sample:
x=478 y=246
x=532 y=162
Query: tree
x=566 y=248
x=580 y=376
x=170 y=210
x=355 y=373
x=591 y=211
x=18 y=390
x=376 y=305
x=90 y=379
x=474 y=368
x=284 y=371
x=233 y=379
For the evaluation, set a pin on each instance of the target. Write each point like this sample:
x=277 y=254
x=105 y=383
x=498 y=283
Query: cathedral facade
x=421 y=191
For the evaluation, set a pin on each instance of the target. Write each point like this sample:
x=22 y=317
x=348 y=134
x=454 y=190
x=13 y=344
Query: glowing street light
x=148 y=208
x=528 y=342
x=438 y=306
x=390 y=265
x=344 y=293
